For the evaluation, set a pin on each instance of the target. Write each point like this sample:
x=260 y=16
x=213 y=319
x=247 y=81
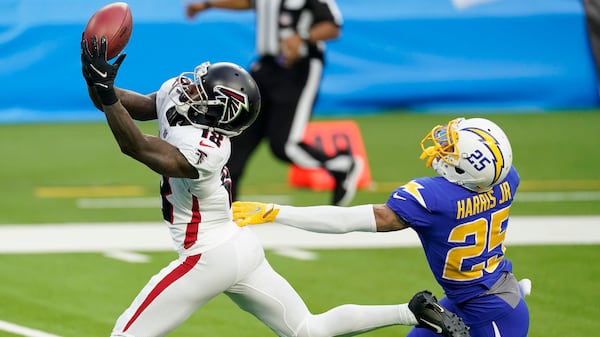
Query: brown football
x=113 y=21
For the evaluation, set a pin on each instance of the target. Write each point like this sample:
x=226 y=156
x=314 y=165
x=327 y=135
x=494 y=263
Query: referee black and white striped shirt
x=279 y=19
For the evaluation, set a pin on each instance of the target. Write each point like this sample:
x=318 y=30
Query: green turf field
x=48 y=170
x=82 y=294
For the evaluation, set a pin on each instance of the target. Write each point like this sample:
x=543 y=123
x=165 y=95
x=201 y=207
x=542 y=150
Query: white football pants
x=239 y=269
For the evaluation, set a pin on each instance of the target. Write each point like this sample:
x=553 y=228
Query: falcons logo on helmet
x=233 y=100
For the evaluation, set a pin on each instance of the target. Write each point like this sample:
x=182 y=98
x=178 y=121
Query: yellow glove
x=253 y=213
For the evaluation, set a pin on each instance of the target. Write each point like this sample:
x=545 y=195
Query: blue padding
x=422 y=55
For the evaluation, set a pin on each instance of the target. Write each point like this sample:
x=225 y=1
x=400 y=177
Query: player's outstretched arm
x=155 y=153
x=321 y=219
x=140 y=107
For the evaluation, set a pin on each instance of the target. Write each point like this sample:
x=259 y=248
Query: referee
x=290 y=41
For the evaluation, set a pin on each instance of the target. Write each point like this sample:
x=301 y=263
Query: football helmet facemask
x=220 y=96
x=474 y=153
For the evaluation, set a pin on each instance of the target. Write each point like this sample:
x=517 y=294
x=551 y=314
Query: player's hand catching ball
x=253 y=213
x=96 y=70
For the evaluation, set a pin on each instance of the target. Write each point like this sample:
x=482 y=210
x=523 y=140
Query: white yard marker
x=130 y=257
x=153 y=202
x=557 y=196
x=23 y=331
x=295 y=253
x=154 y=236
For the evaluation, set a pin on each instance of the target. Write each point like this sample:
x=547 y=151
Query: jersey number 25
x=489 y=236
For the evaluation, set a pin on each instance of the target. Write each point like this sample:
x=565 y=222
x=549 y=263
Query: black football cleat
x=431 y=315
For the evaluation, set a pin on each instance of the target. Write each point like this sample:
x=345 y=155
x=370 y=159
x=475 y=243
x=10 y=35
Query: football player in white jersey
x=197 y=113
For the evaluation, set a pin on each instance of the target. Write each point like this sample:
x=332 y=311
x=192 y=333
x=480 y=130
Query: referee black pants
x=288 y=97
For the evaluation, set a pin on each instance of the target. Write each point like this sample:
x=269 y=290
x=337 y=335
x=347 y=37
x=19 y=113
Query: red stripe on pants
x=173 y=276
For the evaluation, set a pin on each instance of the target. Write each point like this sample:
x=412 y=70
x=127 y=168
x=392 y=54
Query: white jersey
x=197 y=211
x=216 y=256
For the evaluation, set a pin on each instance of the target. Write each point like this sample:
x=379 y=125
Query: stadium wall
x=592 y=11
x=422 y=55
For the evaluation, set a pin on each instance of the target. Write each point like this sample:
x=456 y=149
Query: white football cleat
x=525 y=285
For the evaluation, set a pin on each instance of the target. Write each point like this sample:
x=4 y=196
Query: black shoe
x=346 y=182
x=431 y=315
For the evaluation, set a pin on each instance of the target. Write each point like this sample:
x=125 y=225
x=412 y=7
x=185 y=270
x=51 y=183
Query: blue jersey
x=462 y=232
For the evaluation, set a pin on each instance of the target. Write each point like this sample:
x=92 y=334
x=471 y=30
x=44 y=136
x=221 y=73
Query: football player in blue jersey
x=461 y=217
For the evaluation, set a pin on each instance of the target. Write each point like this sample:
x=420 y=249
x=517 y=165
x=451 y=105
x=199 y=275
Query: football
x=113 y=21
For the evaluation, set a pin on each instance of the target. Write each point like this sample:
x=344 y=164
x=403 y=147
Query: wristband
x=107 y=97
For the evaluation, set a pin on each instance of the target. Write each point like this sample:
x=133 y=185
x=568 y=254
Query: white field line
x=23 y=331
x=296 y=253
x=125 y=256
x=139 y=237
x=119 y=238
x=149 y=202
x=154 y=202
x=557 y=196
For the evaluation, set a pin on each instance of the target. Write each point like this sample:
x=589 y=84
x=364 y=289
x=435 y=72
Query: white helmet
x=474 y=153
